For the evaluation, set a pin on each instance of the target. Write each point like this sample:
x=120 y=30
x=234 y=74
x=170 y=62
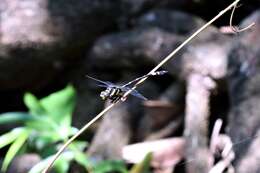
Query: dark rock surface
x=244 y=80
x=175 y=22
x=133 y=49
x=39 y=39
x=115 y=132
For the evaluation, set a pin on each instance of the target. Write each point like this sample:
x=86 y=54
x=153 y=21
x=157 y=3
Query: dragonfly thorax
x=112 y=93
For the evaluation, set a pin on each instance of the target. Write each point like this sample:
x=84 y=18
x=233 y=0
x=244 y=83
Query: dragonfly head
x=104 y=94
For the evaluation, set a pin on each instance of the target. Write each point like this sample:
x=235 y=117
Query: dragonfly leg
x=115 y=99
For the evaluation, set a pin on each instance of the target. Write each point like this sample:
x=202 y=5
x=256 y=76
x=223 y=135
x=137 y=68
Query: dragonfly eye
x=103 y=95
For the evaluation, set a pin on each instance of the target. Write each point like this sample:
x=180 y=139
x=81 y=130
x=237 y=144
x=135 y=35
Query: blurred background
x=49 y=45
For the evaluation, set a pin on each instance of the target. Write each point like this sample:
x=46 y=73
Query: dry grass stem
x=236 y=29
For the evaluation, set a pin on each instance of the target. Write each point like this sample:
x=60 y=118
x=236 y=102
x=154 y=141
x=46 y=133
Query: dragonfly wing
x=103 y=83
x=97 y=80
x=137 y=94
x=110 y=84
x=134 y=93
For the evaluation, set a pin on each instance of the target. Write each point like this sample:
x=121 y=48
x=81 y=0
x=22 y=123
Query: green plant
x=45 y=127
x=120 y=167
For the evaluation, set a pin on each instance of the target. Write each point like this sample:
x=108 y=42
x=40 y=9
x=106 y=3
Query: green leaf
x=9 y=137
x=42 y=142
x=42 y=124
x=77 y=147
x=15 y=117
x=142 y=167
x=33 y=104
x=14 y=148
x=62 y=164
x=60 y=105
x=110 y=166
x=82 y=160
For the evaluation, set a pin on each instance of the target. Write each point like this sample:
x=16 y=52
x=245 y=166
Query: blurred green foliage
x=45 y=127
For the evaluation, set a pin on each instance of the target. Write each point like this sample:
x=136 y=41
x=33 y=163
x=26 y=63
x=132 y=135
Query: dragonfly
x=115 y=92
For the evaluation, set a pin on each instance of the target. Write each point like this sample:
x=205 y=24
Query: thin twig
x=215 y=135
x=236 y=29
x=138 y=83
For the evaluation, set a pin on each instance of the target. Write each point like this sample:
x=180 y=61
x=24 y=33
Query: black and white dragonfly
x=115 y=92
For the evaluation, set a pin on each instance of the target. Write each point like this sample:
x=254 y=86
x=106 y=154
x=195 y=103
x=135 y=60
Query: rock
x=197 y=114
x=175 y=93
x=164 y=116
x=172 y=21
x=154 y=35
x=88 y=103
x=113 y=133
x=134 y=7
x=39 y=39
x=250 y=161
x=244 y=88
x=207 y=55
x=136 y=48
x=149 y=43
x=160 y=120
x=203 y=60
x=21 y=39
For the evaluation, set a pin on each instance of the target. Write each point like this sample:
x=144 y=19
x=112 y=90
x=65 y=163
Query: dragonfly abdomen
x=115 y=94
